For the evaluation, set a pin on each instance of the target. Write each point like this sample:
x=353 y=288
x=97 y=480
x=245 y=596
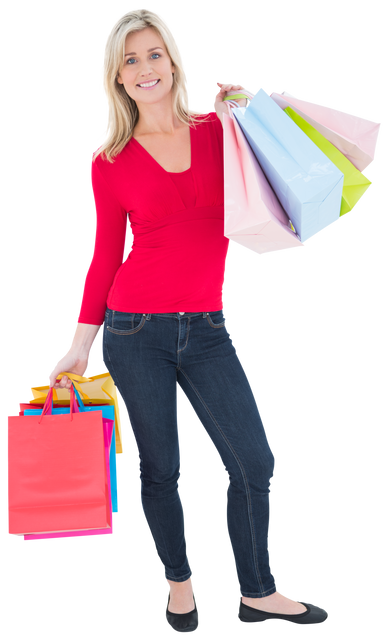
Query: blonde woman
x=162 y=168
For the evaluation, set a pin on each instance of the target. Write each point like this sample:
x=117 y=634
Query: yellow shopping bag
x=98 y=389
x=355 y=183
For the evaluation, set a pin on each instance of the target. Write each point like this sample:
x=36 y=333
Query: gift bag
x=108 y=413
x=355 y=137
x=108 y=426
x=57 y=476
x=89 y=404
x=94 y=390
x=253 y=215
x=355 y=183
x=307 y=184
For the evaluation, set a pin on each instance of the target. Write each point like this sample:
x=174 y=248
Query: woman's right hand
x=73 y=362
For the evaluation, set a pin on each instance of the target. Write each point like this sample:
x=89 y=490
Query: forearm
x=84 y=337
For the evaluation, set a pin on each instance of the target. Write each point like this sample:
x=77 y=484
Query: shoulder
x=214 y=117
x=210 y=121
x=92 y=154
x=209 y=118
x=205 y=118
x=217 y=125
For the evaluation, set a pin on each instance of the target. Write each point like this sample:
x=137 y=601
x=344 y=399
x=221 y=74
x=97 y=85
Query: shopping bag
x=26 y=406
x=355 y=137
x=57 y=477
x=78 y=534
x=108 y=413
x=98 y=389
x=253 y=215
x=40 y=393
x=307 y=184
x=355 y=183
x=92 y=533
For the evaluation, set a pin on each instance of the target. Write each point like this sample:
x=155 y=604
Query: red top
x=178 y=255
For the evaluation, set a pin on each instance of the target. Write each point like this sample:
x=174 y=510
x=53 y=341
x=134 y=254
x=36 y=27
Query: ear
x=118 y=78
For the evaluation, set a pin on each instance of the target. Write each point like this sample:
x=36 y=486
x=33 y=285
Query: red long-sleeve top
x=177 y=259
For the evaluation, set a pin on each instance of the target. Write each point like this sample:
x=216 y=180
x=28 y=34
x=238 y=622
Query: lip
x=146 y=82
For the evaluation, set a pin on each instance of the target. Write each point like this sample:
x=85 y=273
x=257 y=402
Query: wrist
x=83 y=339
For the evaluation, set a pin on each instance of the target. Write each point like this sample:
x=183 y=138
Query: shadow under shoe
x=183 y=621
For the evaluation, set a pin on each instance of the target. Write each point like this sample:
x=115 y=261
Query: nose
x=145 y=77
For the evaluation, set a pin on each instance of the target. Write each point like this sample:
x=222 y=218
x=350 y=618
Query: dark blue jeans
x=146 y=355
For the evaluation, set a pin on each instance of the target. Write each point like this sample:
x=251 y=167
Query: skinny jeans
x=146 y=355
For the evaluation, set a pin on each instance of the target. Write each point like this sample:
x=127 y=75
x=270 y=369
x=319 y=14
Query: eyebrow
x=148 y=51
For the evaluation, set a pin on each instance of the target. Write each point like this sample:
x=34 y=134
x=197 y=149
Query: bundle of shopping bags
x=62 y=460
x=291 y=168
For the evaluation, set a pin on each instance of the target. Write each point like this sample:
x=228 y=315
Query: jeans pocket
x=216 y=319
x=124 y=324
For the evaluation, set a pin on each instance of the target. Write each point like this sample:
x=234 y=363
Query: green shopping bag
x=355 y=183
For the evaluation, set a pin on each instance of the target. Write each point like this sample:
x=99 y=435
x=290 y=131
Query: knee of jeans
x=160 y=485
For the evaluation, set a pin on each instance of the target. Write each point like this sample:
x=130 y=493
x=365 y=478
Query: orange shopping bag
x=93 y=390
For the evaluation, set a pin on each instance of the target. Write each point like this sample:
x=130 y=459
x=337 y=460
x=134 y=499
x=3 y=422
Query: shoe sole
x=284 y=619
x=185 y=632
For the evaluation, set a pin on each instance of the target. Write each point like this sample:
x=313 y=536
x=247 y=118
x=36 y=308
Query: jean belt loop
x=204 y=314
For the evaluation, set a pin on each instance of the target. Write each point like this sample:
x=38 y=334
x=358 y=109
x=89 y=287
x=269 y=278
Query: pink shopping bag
x=57 y=475
x=254 y=216
x=355 y=137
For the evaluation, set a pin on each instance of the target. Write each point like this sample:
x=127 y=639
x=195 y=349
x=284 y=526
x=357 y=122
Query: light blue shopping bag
x=108 y=412
x=307 y=184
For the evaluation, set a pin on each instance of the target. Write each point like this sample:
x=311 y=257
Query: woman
x=162 y=166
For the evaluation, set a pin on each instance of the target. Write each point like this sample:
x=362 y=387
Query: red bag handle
x=48 y=406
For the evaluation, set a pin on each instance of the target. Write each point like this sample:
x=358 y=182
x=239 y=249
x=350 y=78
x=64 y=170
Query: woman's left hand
x=220 y=106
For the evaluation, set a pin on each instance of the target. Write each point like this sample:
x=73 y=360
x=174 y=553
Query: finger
x=230 y=87
x=221 y=85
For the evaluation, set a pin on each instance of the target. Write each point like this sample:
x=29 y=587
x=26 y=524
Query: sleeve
x=111 y=229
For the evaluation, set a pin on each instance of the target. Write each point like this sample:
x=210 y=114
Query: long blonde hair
x=123 y=112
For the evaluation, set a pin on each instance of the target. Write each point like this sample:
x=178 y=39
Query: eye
x=153 y=54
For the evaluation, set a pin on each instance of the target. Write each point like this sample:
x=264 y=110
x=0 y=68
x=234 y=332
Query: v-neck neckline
x=174 y=173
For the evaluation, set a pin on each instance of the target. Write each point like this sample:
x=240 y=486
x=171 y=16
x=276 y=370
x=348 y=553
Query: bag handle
x=75 y=379
x=243 y=93
x=74 y=407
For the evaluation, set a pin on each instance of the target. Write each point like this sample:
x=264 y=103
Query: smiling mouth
x=147 y=85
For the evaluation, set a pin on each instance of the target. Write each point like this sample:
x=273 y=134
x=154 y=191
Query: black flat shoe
x=312 y=615
x=183 y=621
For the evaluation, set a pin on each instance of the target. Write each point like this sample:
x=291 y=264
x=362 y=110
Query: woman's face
x=146 y=60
